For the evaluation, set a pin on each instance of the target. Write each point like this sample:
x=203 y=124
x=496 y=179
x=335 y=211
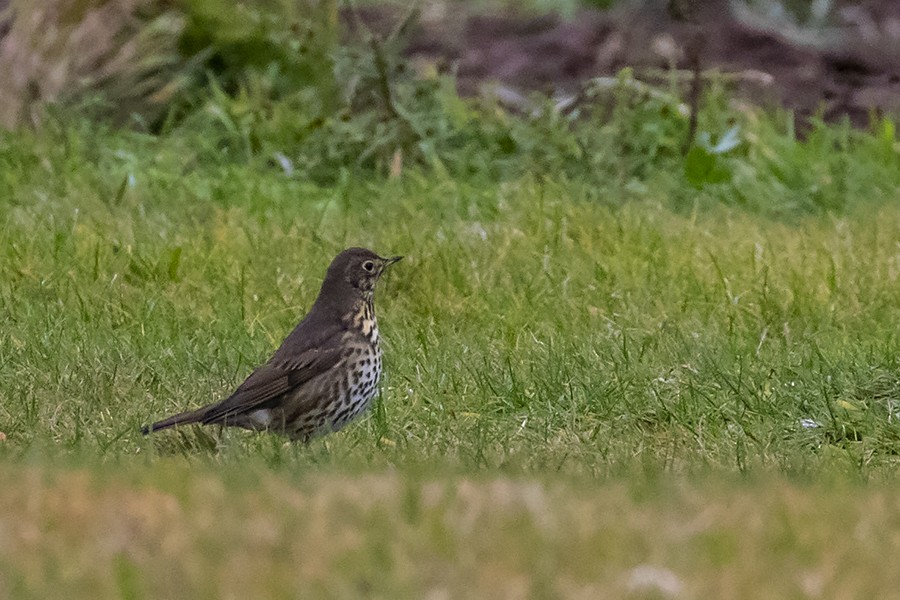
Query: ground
x=850 y=68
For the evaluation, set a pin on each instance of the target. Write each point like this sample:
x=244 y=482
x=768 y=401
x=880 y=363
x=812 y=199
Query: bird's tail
x=185 y=418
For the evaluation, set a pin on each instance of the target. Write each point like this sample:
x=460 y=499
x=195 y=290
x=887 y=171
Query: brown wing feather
x=270 y=381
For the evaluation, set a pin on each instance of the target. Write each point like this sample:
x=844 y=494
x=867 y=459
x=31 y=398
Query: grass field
x=631 y=387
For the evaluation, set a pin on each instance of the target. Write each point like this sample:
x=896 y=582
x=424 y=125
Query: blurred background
x=309 y=84
x=144 y=62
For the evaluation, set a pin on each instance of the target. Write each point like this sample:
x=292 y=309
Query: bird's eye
x=369 y=266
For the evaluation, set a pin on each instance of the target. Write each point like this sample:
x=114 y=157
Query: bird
x=326 y=371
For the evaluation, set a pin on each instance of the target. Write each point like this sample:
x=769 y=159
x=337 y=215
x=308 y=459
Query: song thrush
x=327 y=370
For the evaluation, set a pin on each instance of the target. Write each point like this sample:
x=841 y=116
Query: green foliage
x=704 y=162
x=290 y=42
x=281 y=91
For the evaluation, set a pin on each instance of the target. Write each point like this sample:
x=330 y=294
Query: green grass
x=586 y=373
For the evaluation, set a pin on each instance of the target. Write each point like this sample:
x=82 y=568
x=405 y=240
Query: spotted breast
x=363 y=368
x=347 y=391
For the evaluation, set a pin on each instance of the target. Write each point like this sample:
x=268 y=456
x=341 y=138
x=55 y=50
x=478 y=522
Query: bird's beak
x=391 y=260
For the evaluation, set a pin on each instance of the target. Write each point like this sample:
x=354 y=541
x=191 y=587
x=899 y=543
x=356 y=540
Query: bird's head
x=359 y=268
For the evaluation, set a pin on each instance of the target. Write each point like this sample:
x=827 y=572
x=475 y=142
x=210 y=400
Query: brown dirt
x=854 y=70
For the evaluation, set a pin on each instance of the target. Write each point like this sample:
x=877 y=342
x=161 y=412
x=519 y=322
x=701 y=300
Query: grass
x=232 y=533
x=592 y=389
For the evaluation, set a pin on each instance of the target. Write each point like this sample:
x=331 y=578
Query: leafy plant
x=290 y=42
x=705 y=162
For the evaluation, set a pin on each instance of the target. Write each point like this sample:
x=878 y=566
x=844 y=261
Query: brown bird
x=326 y=372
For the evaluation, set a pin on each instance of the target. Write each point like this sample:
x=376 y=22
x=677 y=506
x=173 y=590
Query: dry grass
x=389 y=535
x=59 y=49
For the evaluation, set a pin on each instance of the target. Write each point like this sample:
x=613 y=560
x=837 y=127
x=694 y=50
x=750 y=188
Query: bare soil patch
x=850 y=69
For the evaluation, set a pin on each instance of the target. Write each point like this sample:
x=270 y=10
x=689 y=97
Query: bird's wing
x=272 y=380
